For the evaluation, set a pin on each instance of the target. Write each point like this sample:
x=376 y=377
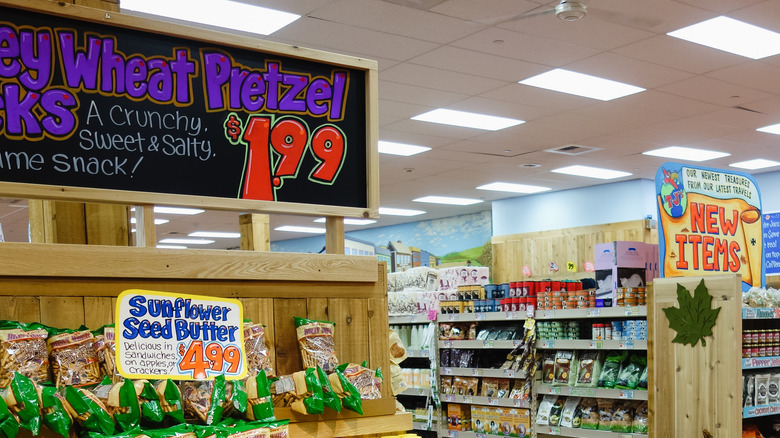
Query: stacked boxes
x=458 y=417
x=501 y=421
x=624 y=264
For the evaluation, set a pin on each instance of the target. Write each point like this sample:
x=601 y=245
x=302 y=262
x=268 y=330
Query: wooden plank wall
x=536 y=250
x=696 y=388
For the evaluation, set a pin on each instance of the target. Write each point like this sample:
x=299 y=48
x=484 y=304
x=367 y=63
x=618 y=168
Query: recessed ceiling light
x=591 y=172
x=156 y=221
x=514 y=188
x=683 y=153
x=580 y=84
x=215 y=234
x=758 y=163
x=771 y=129
x=467 y=120
x=187 y=241
x=177 y=210
x=18 y=205
x=171 y=246
x=447 y=200
x=399 y=211
x=405 y=150
x=349 y=221
x=296 y=229
x=223 y=13
x=733 y=36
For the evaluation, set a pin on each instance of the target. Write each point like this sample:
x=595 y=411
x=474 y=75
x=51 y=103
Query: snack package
x=329 y=397
x=397 y=381
x=641 y=421
x=150 y=410
x=570 y=409
x=21 y=398
x=53 y=412
x=629 y=376
x=178 y=431
x=317 y=345
x=556 y=411
x=398 y=351
x=123 y=404
x=23 y=350
x=489 y=387
x=642 y=384
x=256 y=350
x=748 y=393
x=236 y=396
x=611 y=369
x=762 y=389
x=87 y=410
x=503 y=388
x=590 y=413
x=203 y=399
x=169 y=397
x=565 y=360
x=9 y=427
x=606 y=410
x=545 y=409
x=73 y=359
x=589 y=369
x=308 y=392
x=548 y=367
x=364 y=379
x=623 y=416
x=773 y=395
x=350 y=396
x=258 y=391
x=472 y=386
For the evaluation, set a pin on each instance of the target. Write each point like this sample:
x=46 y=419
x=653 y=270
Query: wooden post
x=255 y=232
x=334 y=235
x=145 y=231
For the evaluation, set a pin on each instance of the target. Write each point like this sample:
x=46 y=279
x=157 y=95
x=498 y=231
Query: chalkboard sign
x=89 y=105
x=772 y=242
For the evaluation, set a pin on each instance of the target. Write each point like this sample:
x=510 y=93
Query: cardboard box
x=458 y=417
x=623 y=264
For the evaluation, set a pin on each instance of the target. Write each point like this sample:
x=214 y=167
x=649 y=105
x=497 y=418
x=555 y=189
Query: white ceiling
x=466 y=55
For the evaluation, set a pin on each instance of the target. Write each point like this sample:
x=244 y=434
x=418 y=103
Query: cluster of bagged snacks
x=595 y=369
x=623 y=416
x=493 y=387
x=515 y=422
x=61 y=379
x=760 y=388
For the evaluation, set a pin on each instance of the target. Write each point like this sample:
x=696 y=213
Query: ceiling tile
x=678 y=54
x=440 y=79
x=477 y=63
x=628 y=70
x=714 y=91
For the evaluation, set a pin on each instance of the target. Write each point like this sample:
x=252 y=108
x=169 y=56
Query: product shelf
x=761 y=411
x=421 y=425
x=482 y=372
x=586 y=344
x=480 y=344
x=410 y=319
x=418 y=353
x=419 y=392
x=585 y=433
x=761 y=313
x=468 y=434
x=595 y=312
x=625 y=394
x=751 y=363
x=482 y=316
x=485 y=401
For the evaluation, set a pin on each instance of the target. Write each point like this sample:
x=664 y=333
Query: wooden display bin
x=71 y=285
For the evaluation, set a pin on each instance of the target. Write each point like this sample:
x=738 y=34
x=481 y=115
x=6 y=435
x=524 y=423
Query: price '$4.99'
x=201 y=361
x=276 y=148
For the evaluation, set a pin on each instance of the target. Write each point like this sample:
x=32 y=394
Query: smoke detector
x=571 y=11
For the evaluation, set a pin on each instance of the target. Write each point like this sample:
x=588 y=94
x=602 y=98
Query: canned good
x=762 y=351
x=746 y=337
x=762 y=336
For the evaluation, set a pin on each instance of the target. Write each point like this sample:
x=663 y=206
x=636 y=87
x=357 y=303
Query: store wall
x=602 y=204
x=770 y=196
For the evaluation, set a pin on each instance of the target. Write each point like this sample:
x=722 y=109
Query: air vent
x=572 y=149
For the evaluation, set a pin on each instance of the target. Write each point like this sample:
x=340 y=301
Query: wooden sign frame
x=87 y=194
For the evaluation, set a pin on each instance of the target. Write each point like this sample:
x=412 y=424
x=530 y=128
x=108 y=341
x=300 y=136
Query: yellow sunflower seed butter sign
x=709 y=223
x=163 y=335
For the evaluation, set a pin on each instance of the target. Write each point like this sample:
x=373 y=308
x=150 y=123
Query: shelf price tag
x=452 y=316
x=193 y=337
x=479 y=316
x=447 y=344
x=492 y=401
x=554 y=430
x=626 y=345
x=548 y=344
x=449 y=398
x=595 y=345
x=593 y=312
x=748 y=313
x=481 y=435
x=509 y=373
x=548 y=314
x=423 y=353
x=468 y=399
x=453 y=434
x=446 y=371
x=627 y=394
x=583 y=392
x=412 y=318
x=487 y=344
x=632 y=311
x=476 y=372
x=554 y=390
x=518 y=403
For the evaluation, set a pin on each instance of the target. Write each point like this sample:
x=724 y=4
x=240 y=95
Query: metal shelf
x=419 y=392
x=482 y=316
x=626 y=394
x=595 y=312
x=410 y=319
x=482 y=372
x=585 y=344
x=480 y=344
x=585 y=433
x=486 y=401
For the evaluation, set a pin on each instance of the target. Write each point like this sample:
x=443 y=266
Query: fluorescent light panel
x=222 y=13
x=171 y=246
x=215 y=234
x=733 y=36
x=296 y=229
x=187 y=241
x=447 y=200
x=177 y=210
x=771 y=129
x=591 y=172
x=758 y=163
x=684 y=153
x=467 y=120
x=580 y=84
x=349 y=221
x=405 y=150
x=156 y=221
x=389 y=211
x=512 y=187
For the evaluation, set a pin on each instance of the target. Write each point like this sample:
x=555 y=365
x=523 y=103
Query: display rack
x=585 y=433
x=623 y=394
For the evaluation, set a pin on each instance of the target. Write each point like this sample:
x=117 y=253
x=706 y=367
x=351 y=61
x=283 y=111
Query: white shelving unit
x=586 y=433
x=585 y=344
x=410 y=319
x=482 y=372
x=480 y=344
x=625 y=394
x=596 y=312
x=485 y=401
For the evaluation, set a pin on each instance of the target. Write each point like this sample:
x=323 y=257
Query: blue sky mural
x=437 y=236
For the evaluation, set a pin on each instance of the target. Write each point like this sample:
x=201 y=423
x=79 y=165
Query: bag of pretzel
x=205 y=400
x=318 y=349
x=53 y=413
x=21 y=397
x=256 y=350
x=23 y=350
x=87 y=410
x=169 y=397
x=258 y=390
x=74 y=361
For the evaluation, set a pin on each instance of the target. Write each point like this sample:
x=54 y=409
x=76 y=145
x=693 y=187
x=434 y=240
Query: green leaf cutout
x=695 y=317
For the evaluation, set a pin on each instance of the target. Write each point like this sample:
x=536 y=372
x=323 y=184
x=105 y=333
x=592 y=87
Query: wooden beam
x=255 y=232
x=334 y=235
x=145 y=230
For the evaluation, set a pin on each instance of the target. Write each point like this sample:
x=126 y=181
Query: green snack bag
x=309 y=400
x=350 y=396
x=151 y=409
x=211 y=431
x=630 y=374
x=611 y=369
x=238 y=397
x=179 y=430
x=329 y=397
x=123 y=405
x=258 y=390
x=203 y=400
x=88 y=410
x=53 y=413
x=170 y=400
x=9 y=427
x=21 y=397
